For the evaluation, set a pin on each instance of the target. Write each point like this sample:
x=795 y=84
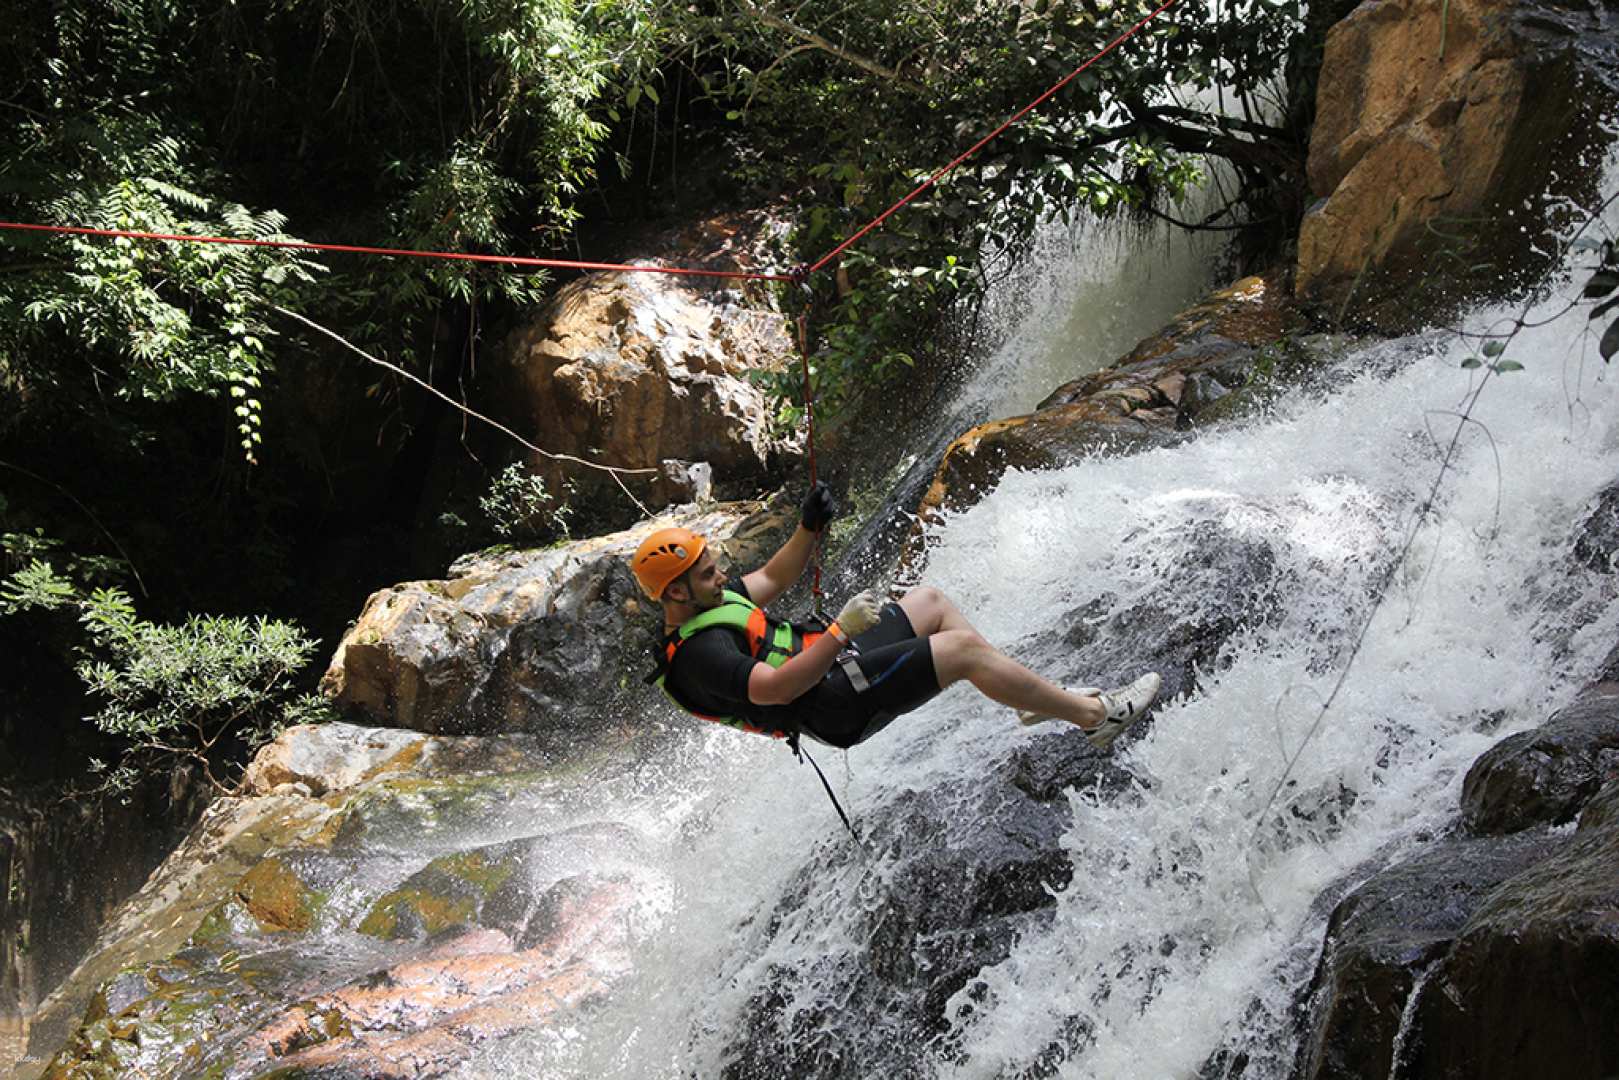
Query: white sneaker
x=1028 y=717
x=1124 y=707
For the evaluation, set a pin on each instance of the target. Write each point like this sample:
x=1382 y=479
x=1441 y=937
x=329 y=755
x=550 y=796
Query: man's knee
x=958 y=653
x=925 y=600
x=926 y=608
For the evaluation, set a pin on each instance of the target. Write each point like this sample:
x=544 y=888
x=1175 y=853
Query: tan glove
x=860 y=613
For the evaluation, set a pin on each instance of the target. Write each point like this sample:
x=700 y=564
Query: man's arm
x=779 y=686
x=787 y=565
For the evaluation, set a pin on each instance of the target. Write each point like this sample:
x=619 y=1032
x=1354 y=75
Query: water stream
x=1190 y=919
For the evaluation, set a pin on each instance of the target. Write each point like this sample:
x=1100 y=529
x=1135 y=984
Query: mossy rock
x=163 y=1023
x=452 y=891
x=276 y=898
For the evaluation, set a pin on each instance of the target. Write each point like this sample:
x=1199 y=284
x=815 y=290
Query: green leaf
x=1472 y=362
x=1602 y=283
x=1494 y=348
x=1501 y=367
x=37 y=585
x=652 y=92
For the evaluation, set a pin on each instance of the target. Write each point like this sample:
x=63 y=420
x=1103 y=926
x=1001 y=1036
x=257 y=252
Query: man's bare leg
x=931 y=611
x=964 y=654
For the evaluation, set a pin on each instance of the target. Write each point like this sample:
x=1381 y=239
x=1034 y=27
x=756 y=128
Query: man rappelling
x=723 y=658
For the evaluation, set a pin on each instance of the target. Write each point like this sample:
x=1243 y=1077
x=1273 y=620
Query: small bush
x=192 y=693
x=519 y=508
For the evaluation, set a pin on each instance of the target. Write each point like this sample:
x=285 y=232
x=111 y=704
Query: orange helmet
x=664 y=556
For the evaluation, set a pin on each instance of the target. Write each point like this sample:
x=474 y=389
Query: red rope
x=571 y=264
x=979 y=145
x=305 y=245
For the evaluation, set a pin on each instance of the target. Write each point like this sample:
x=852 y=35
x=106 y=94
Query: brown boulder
x=640 y=369
x=1160 y=387
x=511 y=638
x=1435 y=121
x=330 y=757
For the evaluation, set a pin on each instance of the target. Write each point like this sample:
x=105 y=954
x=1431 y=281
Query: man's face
x=704 y=582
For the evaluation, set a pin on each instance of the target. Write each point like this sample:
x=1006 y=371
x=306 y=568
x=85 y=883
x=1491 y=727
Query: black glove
x=818 y=507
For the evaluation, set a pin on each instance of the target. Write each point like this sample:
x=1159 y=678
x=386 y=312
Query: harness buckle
x=850 y=663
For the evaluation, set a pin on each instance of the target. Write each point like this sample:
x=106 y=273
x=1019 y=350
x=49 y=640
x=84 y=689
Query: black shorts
x=897 y=668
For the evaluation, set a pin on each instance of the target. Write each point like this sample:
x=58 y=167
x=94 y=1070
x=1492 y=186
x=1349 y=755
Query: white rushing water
x=1187 y=923
x=1085 y=297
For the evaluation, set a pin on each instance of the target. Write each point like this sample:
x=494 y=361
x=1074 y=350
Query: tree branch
x=613 y=471
x=1206 y=225
x=1267 y=157
x=794 y=51
x=1224 y=123
x=113 y=540
x=814 y=40
x=24 y=108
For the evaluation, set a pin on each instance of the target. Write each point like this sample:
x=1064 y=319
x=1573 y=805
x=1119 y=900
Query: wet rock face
x=231 y=838
x=1547 y=775
x=67 y=865
x=368 y=933
x=966 y=862
x=1528 y=987
x=1230 y=583
x=1602 y=812
x=949 y=902
x=1596 y=544
x=1447 y=113
x=516 y=642
x=1382 y=940
x=968 y=865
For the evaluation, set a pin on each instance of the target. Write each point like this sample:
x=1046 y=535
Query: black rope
x=803 y=755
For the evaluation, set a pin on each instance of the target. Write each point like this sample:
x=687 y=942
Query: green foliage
x=173 y=693
x=1491 y=358
x=33 y=582
x=146 y=373
x=865 y=100
x=519 y=509
x=1600 y=287
x=131 y=369
x=91 y=144
x=465 y=126
x=36 y=585
x=469 y=126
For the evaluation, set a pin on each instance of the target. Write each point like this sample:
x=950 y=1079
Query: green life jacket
x=768 y=640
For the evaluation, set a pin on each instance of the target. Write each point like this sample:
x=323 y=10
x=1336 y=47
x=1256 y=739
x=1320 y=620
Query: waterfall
x=1085 y=296
x=1189 y=921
